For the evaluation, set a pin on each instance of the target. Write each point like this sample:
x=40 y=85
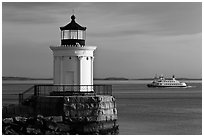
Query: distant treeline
x=169 y=78
x=109 y=78
x=115 y=78
x=24 y=78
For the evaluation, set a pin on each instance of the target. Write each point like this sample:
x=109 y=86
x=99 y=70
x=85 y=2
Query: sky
x=133 y=39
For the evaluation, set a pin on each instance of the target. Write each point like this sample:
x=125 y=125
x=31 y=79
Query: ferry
x=162 y=82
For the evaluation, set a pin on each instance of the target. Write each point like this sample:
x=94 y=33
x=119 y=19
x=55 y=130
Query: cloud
x=35 y=12
x=164 y=18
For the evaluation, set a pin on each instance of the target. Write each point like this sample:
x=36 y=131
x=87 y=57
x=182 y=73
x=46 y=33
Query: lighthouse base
x=84 y=114
x=81 y=114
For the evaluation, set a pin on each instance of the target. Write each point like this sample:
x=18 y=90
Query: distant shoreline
x=24 y=78
x=110 y=78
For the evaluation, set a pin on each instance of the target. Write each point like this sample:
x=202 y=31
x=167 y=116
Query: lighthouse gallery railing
x=66 y=90
x=73 y=89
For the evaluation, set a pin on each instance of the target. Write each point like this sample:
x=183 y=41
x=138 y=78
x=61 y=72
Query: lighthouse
x=73 y=60
x=72 y=102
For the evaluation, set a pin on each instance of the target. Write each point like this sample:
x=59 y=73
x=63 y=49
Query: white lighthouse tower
x=73 y=61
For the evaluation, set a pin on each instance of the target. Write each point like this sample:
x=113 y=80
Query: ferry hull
x=163 y=86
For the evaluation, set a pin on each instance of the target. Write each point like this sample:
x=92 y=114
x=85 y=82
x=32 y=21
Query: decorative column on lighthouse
x=73 y=61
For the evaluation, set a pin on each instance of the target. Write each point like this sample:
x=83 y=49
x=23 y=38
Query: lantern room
x=73 y=34
x=73 y=61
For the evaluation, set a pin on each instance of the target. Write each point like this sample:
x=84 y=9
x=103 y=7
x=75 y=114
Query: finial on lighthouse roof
x=73 y=25
x=73 y=17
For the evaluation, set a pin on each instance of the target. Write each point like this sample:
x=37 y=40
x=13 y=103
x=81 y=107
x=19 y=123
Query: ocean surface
x=142 y=110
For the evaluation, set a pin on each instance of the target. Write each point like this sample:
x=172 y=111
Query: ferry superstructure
x=162 y=82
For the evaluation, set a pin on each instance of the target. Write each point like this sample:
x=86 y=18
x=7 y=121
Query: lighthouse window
x=65 y=34
x=73 y=34
x=87 y=58
x=80 y=34
x=70 y=57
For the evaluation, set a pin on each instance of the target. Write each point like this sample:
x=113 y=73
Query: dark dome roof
x=73 y=25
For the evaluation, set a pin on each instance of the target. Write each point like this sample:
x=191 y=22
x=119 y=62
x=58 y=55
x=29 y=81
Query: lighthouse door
x=69 y=78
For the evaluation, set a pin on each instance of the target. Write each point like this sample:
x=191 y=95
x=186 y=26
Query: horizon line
x=96 y=78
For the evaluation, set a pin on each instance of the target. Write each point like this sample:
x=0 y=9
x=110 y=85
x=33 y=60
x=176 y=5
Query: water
x=159 y=111
x=143 y=110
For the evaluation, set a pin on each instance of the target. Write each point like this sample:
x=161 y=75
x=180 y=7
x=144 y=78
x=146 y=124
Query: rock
x=40 y=117
x=34 y=126
x=19 y=119
x=55 y=118
x=49 y=133
x=10 y=132
x=63 y=127
x=51 y=126
x=33 y=131
x=8 y=120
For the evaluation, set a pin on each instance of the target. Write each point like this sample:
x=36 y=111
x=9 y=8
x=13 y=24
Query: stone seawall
x=82 y=114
